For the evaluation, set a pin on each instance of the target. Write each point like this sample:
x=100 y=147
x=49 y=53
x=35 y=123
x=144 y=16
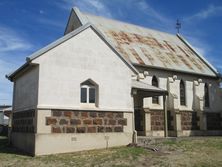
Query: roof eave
x=35 y=55
x=57 y=42
x=11 y=75
x=144 y=87
x=173 y=70
x=164 y=92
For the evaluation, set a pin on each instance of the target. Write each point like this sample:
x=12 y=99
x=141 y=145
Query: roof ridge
x=128 y=23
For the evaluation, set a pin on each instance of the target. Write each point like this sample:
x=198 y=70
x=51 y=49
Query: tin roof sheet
x=150 y=47
x=146 y=87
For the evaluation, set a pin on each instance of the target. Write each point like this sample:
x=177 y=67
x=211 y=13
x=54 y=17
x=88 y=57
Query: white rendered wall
x=147 y=102
x=85 y=56
x=167 y=82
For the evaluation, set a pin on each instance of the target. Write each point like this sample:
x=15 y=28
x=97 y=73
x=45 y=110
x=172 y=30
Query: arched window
x=155 y=99
x=206 y=96
x=182 y=93
x=88 y=93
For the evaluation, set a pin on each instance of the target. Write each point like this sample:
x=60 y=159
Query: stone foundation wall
x=214 y=121
x=85 y=121
x=170 y=121
x=157 y=120
x=23 y=121
x=189 y=120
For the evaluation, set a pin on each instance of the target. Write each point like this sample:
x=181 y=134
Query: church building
x=105 y=82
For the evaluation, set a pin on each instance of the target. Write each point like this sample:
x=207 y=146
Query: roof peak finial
x=178 y=26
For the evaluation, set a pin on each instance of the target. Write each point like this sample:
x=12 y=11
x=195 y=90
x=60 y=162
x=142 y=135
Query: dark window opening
x=206 y=96
x=155 y=99
x=182 y=93
x=83 y=95
x=92 y=95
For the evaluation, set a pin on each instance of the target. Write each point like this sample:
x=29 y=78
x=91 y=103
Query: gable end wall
x=83 y=57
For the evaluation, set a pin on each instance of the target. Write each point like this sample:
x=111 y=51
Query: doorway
x=139 y=115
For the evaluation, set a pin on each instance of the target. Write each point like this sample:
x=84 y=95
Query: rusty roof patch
x=122 y=51
x=149 y=47
x=169 y=46
x=148 y=55
x=136 y=55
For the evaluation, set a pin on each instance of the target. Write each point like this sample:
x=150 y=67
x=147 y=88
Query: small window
x=155 y=99
x=182 y=93
x=206 y=96
x=88 y=92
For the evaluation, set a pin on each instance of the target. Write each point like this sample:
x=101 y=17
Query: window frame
x=87 y=87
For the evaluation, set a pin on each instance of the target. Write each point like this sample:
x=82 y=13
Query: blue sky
x=26 y=26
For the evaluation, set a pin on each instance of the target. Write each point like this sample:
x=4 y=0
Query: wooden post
x=165 y=116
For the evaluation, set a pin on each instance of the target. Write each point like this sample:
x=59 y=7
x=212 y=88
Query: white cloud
x=41 y=12
x=101 y=7
x=11 y=41
x=97 y=4
x=219 y=66
x=153 y=13
x=11 y=46
x=52 y=23
x=210 y=11
x=5 y=85
x=97 y=7
x=198 y=45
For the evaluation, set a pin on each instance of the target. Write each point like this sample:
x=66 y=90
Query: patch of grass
x=135 y=152
x=195 y=152
x=169 y=142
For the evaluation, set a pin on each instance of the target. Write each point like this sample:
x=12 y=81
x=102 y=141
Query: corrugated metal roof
x=149 y=47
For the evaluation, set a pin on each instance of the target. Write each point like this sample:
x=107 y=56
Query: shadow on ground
x=5 y=147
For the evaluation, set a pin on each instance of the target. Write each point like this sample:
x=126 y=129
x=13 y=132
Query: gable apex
x=76 y=20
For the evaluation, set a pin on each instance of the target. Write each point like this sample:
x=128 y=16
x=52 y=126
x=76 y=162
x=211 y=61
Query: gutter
x=12 y=74
x=218 y=75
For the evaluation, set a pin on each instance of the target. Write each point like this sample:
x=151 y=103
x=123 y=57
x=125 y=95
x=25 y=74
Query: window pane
x=92 y=95
x=83 y=95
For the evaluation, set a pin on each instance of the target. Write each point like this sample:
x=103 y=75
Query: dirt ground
x=190 y=152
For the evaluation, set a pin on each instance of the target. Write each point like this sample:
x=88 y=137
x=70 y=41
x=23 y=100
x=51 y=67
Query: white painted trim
x=49 y=107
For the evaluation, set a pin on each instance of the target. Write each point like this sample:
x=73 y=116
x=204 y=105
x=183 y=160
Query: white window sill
x=88 y=105
x=185 y=108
